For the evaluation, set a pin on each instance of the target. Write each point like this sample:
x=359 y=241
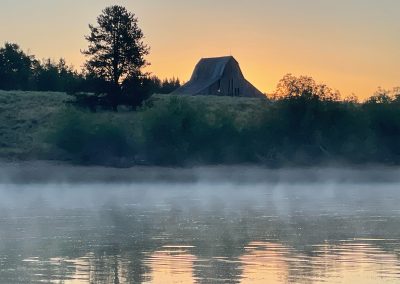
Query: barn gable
x=220 y=76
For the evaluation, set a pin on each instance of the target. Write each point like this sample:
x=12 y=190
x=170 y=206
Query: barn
x=218 y=76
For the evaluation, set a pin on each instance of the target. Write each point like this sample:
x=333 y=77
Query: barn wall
x=232 y=82
x=211 y=90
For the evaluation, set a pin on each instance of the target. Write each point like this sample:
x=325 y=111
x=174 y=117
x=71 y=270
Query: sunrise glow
x=350 y=45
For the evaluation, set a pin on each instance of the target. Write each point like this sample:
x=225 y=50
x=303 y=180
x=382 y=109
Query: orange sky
x=351 y=45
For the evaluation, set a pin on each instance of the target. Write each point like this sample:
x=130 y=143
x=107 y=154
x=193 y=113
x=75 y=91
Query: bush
x=384 y=124
x=295 y=130
x=177 y=133
x=91 y=141
x=170 y=131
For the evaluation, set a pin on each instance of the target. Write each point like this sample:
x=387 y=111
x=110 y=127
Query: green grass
x=244 y=109
x=200 y=130
x=23 y=116
x=27 y=119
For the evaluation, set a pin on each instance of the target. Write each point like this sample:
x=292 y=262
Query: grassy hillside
x=23 y=118
x=28 y=119
x=185 y=131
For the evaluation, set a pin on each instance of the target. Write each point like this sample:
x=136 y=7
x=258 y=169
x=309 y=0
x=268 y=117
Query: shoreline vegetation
x=292 y=131
x=59 y=172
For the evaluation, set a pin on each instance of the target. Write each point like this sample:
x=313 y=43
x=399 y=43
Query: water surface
x=200 y=231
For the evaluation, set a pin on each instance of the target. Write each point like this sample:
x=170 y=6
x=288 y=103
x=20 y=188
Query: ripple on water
x=258 y=237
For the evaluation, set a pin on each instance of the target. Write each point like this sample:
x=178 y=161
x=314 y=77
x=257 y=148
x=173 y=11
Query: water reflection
x=350 y=262
x=266 y=262
x=187 y=234
x=171 y=264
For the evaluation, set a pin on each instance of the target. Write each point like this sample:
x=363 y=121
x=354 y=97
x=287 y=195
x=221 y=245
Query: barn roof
x=207 y=72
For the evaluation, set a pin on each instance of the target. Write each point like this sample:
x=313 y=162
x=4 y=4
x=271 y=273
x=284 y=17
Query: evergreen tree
x=116 y=50
x=15 y=68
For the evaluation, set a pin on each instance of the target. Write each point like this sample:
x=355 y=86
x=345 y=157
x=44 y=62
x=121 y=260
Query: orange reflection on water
x=171 y=264
x=266 y=262
x=356 y=263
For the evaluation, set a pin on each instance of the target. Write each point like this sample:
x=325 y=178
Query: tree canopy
x=15 y=67
x=116 y=49
x=304 y=87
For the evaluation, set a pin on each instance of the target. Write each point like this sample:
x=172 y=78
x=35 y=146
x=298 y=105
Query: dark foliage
x=112 y=74
x=19 y=71
x=116 y=53
x=52 y=76
x=136 y=90
x=116 y=48
x=292 y=131
x=306 y=124
x=165 y=86
x=15 y=68
x=90 y=142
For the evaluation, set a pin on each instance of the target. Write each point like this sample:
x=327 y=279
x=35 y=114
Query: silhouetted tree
x=165 y=86
x=55 y=76
x=305 y=87
x=155 y=83
x=116 y=50
x=382 y=96
x=169 y=85
x=15 y=68
x=136 y=90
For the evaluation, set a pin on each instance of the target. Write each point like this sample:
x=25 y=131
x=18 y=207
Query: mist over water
x=64 y=224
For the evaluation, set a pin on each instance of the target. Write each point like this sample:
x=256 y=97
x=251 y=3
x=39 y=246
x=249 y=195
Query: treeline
x=305 y=124
x=21 y=71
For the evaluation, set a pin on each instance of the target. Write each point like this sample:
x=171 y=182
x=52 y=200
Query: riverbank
x=61 y=172
x=44 y=125
x=186 y=131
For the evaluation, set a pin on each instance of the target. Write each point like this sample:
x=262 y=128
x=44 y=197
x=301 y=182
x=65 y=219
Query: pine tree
x=116 y=50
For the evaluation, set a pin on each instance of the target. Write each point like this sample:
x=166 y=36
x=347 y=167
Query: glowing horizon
x=351 y=46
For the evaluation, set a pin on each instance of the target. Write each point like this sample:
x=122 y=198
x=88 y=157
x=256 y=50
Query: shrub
x=294 y=130
x=91 y=141
x=178 y=133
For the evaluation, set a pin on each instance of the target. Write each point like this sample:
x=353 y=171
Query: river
x=231 y=225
